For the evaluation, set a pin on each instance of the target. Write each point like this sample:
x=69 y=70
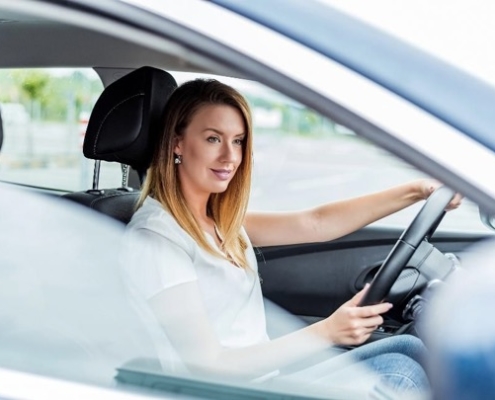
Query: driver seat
x=123 y=127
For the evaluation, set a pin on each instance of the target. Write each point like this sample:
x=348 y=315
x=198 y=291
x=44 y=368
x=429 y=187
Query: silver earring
x=178 y=159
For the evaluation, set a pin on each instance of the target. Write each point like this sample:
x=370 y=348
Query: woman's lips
x=222 y=174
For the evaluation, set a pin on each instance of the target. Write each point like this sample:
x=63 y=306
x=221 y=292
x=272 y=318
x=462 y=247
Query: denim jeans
x=391 y=366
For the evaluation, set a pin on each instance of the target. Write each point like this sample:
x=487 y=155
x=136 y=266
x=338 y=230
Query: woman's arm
x=334 y=220
x=163 y=273
x=182 y=315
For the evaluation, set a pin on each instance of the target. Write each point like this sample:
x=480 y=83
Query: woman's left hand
x=428 y=186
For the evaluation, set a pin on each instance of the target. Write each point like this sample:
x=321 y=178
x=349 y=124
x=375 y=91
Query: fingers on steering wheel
x=373 y=322
x=455 y=202
x=376 y=309
x=359 y=296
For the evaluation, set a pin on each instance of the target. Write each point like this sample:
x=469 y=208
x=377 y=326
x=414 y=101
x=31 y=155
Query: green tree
x=33 y=84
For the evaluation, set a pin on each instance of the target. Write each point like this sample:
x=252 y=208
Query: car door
x=313 y=280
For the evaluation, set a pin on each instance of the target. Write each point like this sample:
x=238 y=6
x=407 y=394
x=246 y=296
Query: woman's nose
x=230 y=153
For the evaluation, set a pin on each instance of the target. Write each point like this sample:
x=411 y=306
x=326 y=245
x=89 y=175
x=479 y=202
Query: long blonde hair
x=228 y=208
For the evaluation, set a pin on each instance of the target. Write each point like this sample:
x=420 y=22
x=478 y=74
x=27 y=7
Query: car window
x=45 y=113
x=320 y=160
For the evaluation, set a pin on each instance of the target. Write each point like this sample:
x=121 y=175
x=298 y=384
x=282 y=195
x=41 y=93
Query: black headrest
x=127 y=118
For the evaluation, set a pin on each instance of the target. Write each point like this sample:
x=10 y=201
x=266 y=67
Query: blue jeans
x=395 y=363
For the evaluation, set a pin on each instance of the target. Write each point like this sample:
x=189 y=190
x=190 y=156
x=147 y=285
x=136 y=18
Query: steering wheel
x=421 y=228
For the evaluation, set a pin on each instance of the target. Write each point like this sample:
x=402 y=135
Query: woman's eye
x=213 y=139
x=239 y=141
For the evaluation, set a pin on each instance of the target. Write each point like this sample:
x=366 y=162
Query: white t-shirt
x=164 y=255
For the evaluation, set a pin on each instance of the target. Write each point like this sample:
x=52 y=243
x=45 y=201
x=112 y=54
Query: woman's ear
x=177 y=145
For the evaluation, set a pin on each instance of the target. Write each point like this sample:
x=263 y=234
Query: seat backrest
x=124 y=127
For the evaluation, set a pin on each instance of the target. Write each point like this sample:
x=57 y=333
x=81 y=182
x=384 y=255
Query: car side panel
x=313 y=280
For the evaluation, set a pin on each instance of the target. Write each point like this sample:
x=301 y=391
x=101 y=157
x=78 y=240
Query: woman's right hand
x=351 y=324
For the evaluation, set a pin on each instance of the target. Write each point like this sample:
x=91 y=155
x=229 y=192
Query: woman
x=198 y=270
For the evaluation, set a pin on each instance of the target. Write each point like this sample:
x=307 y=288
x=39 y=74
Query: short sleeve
x=155 y=263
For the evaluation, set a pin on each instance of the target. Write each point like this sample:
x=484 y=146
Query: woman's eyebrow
x=221 y=133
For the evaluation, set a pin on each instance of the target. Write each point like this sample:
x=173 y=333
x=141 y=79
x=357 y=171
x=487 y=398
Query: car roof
x=17 y=30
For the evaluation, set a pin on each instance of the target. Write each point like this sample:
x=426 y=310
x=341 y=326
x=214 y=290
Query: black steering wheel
x=421 y=228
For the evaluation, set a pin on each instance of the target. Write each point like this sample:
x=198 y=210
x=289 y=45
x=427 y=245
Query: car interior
x=295 y=277
x=309 y=280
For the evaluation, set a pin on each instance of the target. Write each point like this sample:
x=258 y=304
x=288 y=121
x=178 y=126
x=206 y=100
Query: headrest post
x=125 y=175
x=96 y=174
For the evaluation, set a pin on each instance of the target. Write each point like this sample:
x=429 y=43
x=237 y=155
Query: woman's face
x=211 y=149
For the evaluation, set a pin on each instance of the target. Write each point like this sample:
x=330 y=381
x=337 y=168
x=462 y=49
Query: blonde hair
x=228 y=208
